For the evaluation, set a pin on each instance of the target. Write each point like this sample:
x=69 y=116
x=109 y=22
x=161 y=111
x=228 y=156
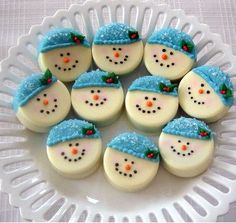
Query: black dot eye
x=179 y=141
x=202 y=85
x=171 y=53
x=114 y=48
x=120 y=49
x=92 y=91
x=154 y=99
x=132 y=162
x=70 y=144
x=38 y=99
x=208 y=92
x=77 y=144
x=98 y=91
x=45 y=95
x=163 y=50
x=55 y=100
x=61 y=55
x=125 y=160
x=187 y=143
x=68 y=54
x=146 y=98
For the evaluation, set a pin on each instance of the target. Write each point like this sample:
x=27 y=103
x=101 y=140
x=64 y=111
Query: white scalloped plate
x=43 y=195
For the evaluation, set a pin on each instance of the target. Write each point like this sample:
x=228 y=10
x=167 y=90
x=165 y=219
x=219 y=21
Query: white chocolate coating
x=75 y=59
x=163 y=109
x=58 y=106
x=189 y=161
x=206 y=105
x=86 y=160
x=142 y=171
x=104 y=109
x=120 y=59
x=173 y=67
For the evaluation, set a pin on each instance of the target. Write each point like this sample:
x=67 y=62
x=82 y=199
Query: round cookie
x=131 y=161
x=169 y=53
x=206 y=93
x=186 y=147
x=97 y=96
x=117 y=48
x=74 y=148
x=41 y=101
x=151 y=102
x=66 y=52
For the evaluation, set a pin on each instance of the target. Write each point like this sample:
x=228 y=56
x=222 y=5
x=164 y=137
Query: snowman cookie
x=206 y=93
x=74 y=148
x=97 y=96
x=131 y=161
x=186 y=147
x=169 y=53
x=66 y=52
x=151 y=102
x=41 y=101
x=117 y=48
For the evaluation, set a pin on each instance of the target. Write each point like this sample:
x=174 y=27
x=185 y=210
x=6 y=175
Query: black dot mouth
x=71 y=159
x=161 y=63
x=153 y=111
x=116 y=62
x=180 y=153
x=195 y=101
x=67 y=68
x=102 y=102
x=123 y=173
x=49 y=111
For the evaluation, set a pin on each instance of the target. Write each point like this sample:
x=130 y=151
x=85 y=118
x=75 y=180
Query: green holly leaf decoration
x=78 y=39
x=204 y=133
x=110 y=78
x=167 y=88
x=133 y=34
x=187 y=46
x=88 y=131
x=225 y=91
x=151 y=153
x=46 y=78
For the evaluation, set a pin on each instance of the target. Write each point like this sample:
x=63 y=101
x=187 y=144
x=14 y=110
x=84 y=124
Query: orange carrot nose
x=127 y=167
x=95 y=97
x=149 y=103
x=164 y=56
x=200 y=91
x=183 y=147
x=66 y=59
x=45 y=101
x=116 y=54
x=74 y=151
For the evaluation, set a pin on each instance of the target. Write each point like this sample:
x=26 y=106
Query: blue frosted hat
x=31 y=86
x=175 y=39
x=135 y=145
x=116 y=33
x=97 y=78
x=188 y=127
x=70 y=130
x=61 y=37
x=154 y=84
x=219 y=81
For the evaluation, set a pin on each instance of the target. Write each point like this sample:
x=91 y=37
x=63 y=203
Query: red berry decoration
x=225 y=91
x=204 y=133
x=88 y=131
x=46 y=78
x=109 y=80
x=151 y=154
x=49 y=81
x=133 y=34
x=185 y=48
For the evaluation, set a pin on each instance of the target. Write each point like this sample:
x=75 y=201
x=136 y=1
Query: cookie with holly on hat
x=131 y=161
x=74 y=148
x=66 y=52
x=206 y=93
x=151 y=102
x=186 y=147
x=97 y=96
x=169 y=53
x=41 y=101
x=117 y=48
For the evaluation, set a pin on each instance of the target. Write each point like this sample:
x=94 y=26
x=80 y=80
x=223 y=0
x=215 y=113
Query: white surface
x=219 y=25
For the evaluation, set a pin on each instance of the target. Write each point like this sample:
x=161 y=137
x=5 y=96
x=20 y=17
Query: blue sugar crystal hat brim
x=152 y=84
x=59 y=38
x=94 y=78
x=173 y=38
x=114 y=33
x=187 y=127
x=29 y=88
x=70 y=130
x=135 y=145
x=215 y=78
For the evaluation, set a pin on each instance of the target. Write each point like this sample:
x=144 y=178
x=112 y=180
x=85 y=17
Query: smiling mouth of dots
x=150 y=105
x=164 y=57
x=117 y=57
x=46 y=102
x=129 y=170
x=200 y=91
x=66 y=60
x=185 y=150
x=97 y=100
